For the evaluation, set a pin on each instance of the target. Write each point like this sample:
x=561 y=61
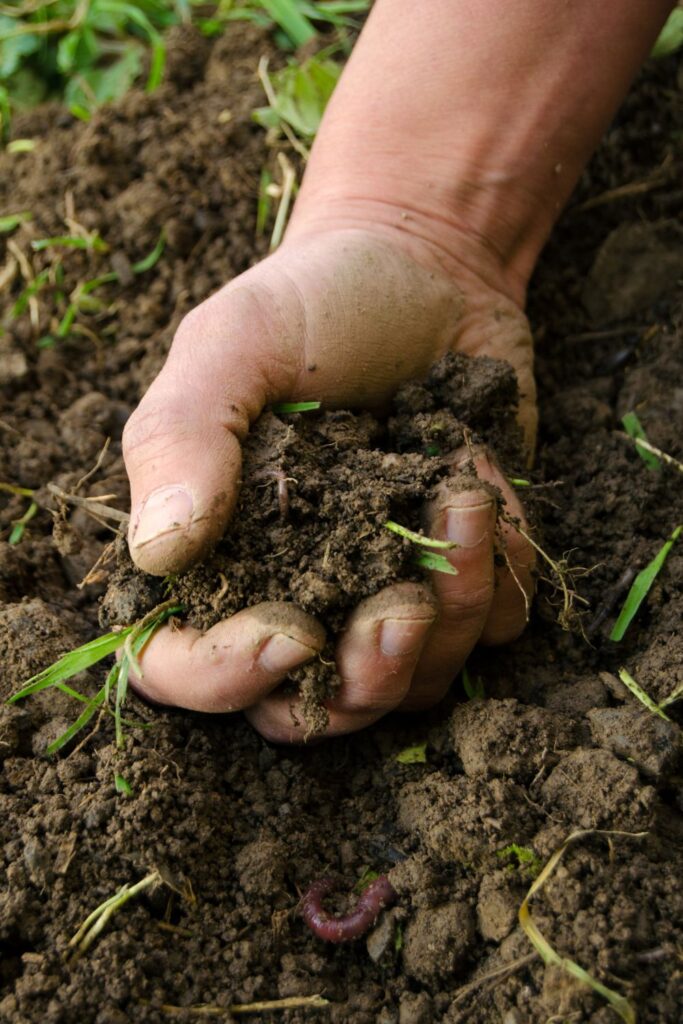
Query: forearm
x=466 y=119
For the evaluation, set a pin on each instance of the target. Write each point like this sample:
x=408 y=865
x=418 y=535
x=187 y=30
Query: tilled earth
x=241 y=827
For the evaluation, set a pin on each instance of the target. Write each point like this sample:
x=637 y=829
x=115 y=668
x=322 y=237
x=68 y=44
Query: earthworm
x=378 y=895
x=282 y=489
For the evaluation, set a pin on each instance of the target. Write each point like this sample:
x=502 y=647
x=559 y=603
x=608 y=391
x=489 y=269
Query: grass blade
x=72 y=663
x=637 y=691
x=619 y=1003
x=293 y=23
x=296 y=406
x=71 y=242
x=19 y=525
x=80 y=723
x=640 y=587
x=13 y=220
x=634 y=429
x=435 y=563
x=152 y=259
x=418 y=538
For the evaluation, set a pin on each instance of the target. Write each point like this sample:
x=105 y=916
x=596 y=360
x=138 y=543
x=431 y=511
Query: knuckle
x=467 y=604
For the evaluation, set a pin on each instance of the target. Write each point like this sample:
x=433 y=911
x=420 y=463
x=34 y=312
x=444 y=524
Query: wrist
x=465 y=131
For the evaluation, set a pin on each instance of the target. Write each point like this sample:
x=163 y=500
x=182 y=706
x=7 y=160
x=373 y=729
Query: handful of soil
x=318 y=489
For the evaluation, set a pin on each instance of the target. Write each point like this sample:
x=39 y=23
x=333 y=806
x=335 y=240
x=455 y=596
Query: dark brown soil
x=558 y=744
x=318 y=490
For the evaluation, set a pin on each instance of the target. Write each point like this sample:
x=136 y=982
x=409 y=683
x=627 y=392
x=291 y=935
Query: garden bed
x=240 y=828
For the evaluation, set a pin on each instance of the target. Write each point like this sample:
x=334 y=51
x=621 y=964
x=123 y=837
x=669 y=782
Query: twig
x=91 y=505
x=316 y=1002
x=499 y=972
x=98 y=463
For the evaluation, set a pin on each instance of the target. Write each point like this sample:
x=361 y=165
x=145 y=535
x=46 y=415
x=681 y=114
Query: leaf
x=13 y=48
x=79 y=724
x=641 y=586
x=152 y=258
x=286 y=14
x=93 y=242
x=548 y=954
x=26 y=88
x=13 y=220
x=122 y=786
x=90 y=87
x=77 y=50
x=435 y=563
x=301 y=94
x=671 y=36
x=413 y=755
x=418 y=538
x=474 y=688
x=637 y=691
x=284 y=407
x=21 y=145
x=72 y=663
x=634 y=429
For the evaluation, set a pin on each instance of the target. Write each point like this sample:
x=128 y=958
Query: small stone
x=650 y=743
x=415 y=1008
x=381 y=938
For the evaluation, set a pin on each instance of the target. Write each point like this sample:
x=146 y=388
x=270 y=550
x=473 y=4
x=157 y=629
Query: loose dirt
x=242 y=827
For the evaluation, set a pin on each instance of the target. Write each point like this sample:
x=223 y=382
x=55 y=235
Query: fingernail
x=164 y=511
x=468 y=525
x=399 y=637
x=282 y=652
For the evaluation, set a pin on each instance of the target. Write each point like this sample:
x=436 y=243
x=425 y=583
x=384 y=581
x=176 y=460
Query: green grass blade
x=152 y=259
x=72 y=663
x=640 y=587
x=121 y=786
x=13 y=220
x=416 y=754
x=38 y=282
x=19 y=526
x=70 y=242
x=637 y=691
x=474 y=688
x=295 y=406
x=293 y=23
x=67 y=320
x=418 y=538
x=79 y=724
x=435 y=563
x=634 y=428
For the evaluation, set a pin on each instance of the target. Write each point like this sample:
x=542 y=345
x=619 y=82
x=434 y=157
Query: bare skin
x=395 y=254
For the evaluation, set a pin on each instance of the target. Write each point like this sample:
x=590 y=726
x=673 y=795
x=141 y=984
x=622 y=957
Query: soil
x=240 y=827
x=318 y=490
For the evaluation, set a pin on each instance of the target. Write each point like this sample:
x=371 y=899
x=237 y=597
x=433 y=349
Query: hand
x=345 y=317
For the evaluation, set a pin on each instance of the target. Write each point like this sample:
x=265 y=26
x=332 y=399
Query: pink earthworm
x=378 y=895
x=282 y=489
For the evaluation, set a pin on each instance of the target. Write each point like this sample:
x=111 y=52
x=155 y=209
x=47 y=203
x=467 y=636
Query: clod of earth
x=345 y=927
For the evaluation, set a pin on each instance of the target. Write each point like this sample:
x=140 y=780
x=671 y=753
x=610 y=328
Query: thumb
x=181 y=446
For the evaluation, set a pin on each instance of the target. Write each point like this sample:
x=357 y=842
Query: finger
x=182 y=444
x=468 y=518
x=376 y=656
x=233 y=664
x=514 y=581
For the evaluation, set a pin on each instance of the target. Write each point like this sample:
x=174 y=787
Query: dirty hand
x=449 y=147
x=344 y=317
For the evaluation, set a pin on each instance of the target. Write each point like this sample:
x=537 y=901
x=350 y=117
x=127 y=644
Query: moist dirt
x=240 y=827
